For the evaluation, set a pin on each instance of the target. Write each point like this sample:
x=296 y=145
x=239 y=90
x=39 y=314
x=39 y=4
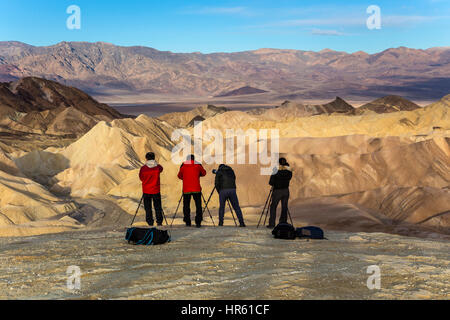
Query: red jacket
x=190 y=173
x=149 y=176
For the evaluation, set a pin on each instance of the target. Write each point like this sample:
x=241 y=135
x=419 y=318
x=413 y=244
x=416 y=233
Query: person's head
x=190 y=157
x=150 y=156
x=282 y=162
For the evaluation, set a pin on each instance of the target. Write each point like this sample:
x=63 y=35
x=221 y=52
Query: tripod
x=176 y=211
x=206 y=207
x=266 y=206
x=229 y=205
x=137 y=210
x=266 y=209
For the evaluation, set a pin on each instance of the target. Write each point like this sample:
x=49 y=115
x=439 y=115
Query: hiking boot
x=220 y=224
x=188 y=224
x=242 y=225
x=151 y=223
x=198 y=225
x=159 y=224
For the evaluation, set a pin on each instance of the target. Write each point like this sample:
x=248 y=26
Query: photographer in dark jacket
x=225 y=183
x=280 y=183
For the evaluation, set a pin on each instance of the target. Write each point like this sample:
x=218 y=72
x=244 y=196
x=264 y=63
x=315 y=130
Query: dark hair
x=282 y=161
x=150 y=156
x=191 y=157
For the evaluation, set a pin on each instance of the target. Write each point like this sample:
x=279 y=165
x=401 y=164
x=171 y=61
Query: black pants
x=229 y=194
x=187 y=207
x=148 y=208
x=277 y=196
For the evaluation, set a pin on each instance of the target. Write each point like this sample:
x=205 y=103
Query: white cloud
x=320 y=32
x=406 y=20
x=353 y=21
x=218 y=11
x=342 y=21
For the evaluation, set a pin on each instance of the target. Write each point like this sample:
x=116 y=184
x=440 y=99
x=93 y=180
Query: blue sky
x=227 y=26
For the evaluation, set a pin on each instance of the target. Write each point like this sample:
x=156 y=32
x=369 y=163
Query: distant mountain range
x=101 y=68
x=34 y=105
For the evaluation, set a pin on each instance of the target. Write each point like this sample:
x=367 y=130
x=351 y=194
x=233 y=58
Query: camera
x=214 y=171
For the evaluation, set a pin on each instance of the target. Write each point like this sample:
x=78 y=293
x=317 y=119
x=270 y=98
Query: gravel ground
x=224 y=263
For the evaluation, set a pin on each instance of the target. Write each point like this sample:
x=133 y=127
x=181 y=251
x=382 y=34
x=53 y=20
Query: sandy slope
x=226 y=263
x=393 y=167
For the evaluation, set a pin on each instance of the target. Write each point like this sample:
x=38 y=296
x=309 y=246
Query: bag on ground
x=284 y=231
x=310 y=233
x=145 y=236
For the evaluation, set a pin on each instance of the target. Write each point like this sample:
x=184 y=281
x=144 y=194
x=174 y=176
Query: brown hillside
x=36 y=94
x=389 y=104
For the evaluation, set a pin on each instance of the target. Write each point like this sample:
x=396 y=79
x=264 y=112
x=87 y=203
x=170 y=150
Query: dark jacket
x=281 y=179
x=225 y=178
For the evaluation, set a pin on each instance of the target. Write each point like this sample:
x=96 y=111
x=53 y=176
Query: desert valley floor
x=225 y=263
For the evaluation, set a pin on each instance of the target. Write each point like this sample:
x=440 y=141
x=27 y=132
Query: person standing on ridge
x=225 y=184
x=149 y=175
x=280 y=184
x=190 y=172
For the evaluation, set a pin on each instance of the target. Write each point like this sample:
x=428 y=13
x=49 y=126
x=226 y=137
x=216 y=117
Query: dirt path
x=225 y=263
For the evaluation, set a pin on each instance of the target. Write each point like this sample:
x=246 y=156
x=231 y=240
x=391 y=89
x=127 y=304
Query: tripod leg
x=268 y=208
x=264 y=209
x=265 y=216
x=206 y=206
x=207 y=202
x=232 y=213
x=176 y=210
x=164 y=215
x=289 y=213
x=137 y=210
x=262 y=212
x=167 y=223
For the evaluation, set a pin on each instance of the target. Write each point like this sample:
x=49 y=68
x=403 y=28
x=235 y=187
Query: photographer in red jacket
x=149 y=176
x=190 y=172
